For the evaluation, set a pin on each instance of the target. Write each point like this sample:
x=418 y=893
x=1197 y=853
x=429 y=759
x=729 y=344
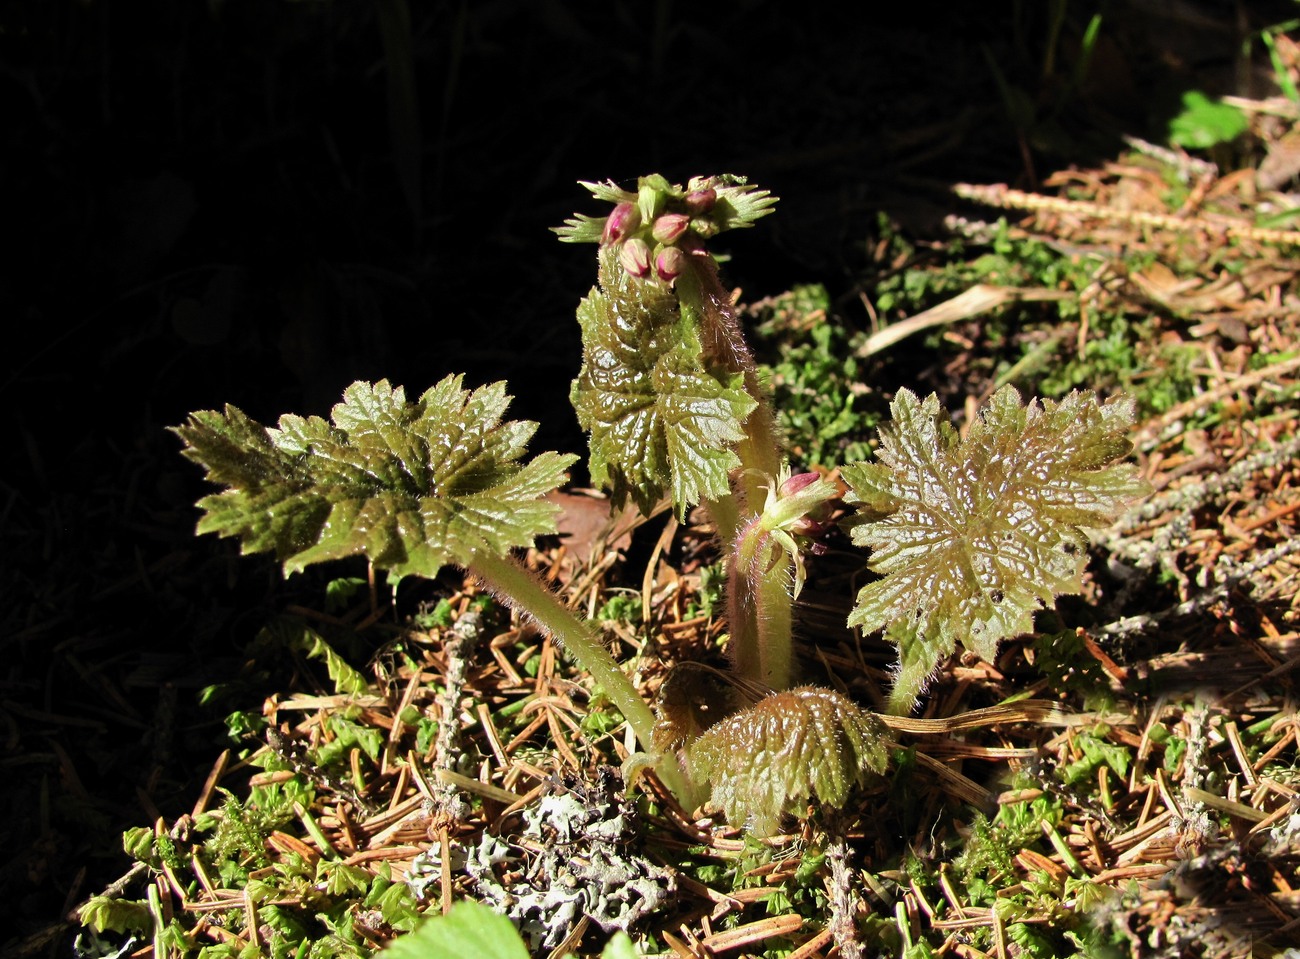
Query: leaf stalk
x=525 y=593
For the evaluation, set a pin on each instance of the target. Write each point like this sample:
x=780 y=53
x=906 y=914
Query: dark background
x=259 y=202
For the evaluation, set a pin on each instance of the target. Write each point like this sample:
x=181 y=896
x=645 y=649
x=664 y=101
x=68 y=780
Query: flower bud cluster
x=654 y=229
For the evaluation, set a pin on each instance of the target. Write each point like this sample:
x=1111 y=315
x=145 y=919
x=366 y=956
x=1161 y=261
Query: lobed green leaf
x=660 y=419
x=411 y=486
x=972 y=538
x=580 y=228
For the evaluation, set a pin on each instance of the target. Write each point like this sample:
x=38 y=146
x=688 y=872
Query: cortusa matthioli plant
x=968 y=537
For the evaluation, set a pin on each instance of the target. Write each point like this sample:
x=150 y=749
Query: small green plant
x=969 y=538
x=1203 y=123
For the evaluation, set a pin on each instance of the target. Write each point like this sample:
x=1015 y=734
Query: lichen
x=580 y=865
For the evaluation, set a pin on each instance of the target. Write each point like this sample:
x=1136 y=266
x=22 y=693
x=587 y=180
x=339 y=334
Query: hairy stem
x=760 y=605
x=522 y=590
x=700 y=290
x=760 y=456
x=759 y=610
x=725 y=515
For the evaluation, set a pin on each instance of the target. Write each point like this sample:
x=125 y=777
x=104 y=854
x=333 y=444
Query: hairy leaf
x=971 y=538
x=740 y=204
x=660 y=420
x=785 y=750
x=412 y=486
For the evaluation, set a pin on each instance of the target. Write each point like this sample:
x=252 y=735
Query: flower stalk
x=768 y=575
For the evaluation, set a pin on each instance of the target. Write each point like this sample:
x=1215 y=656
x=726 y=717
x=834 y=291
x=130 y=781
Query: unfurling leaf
x=1204 y=123
x=785 y=750
x=971 y=538
x=291 y=633
x=646 y=394
x=412 y=486
x=106 y=914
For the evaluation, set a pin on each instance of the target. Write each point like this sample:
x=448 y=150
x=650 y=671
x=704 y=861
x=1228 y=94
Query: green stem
x=776 y=625
x=760 y=606
x=725 y=514
x=760 y=611
x=759 y=451
x=699 y=290
x=527 y=594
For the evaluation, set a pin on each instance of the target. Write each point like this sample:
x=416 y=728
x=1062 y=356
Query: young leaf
x=106 y=914
x=739 y=204
x=659 y=418
x=973 y=537
x=1204 y=123
x=783 y=751
x=469 y=929
x=412 y=486
x=295 y=634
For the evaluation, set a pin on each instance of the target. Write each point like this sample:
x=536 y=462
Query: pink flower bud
x=635 y=257
x=669 y=263
x=797 y=482
x=620 y=223
x=670 y=226
x=701 y=201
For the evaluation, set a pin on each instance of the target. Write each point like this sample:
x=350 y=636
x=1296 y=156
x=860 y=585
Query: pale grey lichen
x=571 y=860
x=1284 y=838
